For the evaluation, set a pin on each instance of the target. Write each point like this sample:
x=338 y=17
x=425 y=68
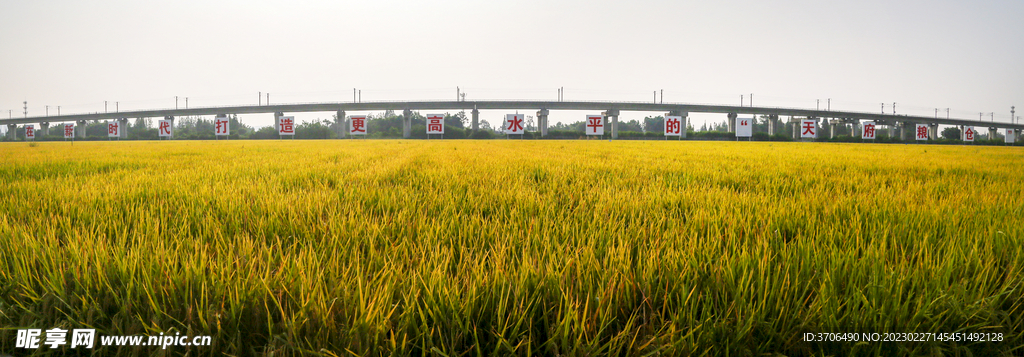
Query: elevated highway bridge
x=610 y=109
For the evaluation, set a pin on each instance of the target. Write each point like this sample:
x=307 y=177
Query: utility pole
x=104 y=106
x=458 y=93
x=58 y=110
x=47 y=110
x=175 y=102
x=117 y=107
x=26 y=108
x=1012 y=113
x=353 y=95
x=947 y=113
x=186 y=102
x=936 y=113
x=817 y=104
x=830 y=104
x=741 y=100
x=883 y=108
x=893 y=108
x=259 y=98
x=751 y=99
x=360 y=95
x=662 y=96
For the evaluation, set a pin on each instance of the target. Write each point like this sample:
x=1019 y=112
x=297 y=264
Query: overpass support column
x=831 y=127
x=123 y=126
x=732 y=122
x=772 y=123
x=476 y=120
x=933 y=131
x=542 y=122
x=277 y=121
x=12 y=131
x=992 y=133
x=46 y=128
x=682 y=123
x=796 y=127
x=340 y=123
x=407 y=123
x=613 y=115
x=901 y=125
x=80 y=129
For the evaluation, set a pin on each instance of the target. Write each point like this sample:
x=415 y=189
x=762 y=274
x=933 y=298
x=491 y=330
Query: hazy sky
x=963 y=55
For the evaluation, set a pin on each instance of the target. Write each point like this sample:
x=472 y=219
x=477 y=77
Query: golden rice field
x=504 y=247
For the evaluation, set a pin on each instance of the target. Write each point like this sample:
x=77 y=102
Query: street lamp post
x=947 y=113
x=893 y=108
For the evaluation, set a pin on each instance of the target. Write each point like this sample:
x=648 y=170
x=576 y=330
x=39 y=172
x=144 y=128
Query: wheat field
x=504 y=247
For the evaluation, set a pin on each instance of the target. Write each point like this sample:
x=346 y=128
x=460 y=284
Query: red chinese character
x=435 y=125
x=287 y=125
x=69 y=130
x=922 y=132
x=515 y=123
x=672 y=126
x=112 y=128
x=969 y=134
x=165 y=127
x=222 y=126
x=869 y=130
x=808 y=128
x=359 y=125
x=594 y=122
x=29 y=132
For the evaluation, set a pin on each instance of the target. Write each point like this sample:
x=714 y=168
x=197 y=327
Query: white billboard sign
x=868 y=130
x=808 y=128
x=113 y=129
x=968 y=134
x=69 y=131
x=744 y=127
x=165 y=128
x=594 y=125
x=286 y=125
x=673 y=125
x=357 y=124
x=30 y=132
x=1009 y=138
x=221 y=126
x=435 y=124
x=514 y=124
x=921 y=133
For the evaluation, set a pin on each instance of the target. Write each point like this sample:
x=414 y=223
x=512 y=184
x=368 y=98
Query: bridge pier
x=340 y=124
x=542 y=122
x=772 y=124
x=796 y=127
x=407 y=123
x=80 y=129
x=613 y=114
x=46 y=128
x=731 y=122
x=476 y=120
x=122 y=132
x=277 y=121
x=992 y=133
x=933 y=131
x=12 y=131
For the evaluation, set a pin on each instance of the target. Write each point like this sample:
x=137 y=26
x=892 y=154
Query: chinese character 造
x=83 y=337
x=287 y=125
x=28 y=338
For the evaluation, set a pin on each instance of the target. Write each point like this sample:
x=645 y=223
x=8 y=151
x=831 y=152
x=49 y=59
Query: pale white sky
x=964 y=55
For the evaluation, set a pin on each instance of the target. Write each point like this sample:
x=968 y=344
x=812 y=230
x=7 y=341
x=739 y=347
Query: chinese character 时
x=28 y=338
x=83 y=337
x=112 y=128
x=56 y=337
